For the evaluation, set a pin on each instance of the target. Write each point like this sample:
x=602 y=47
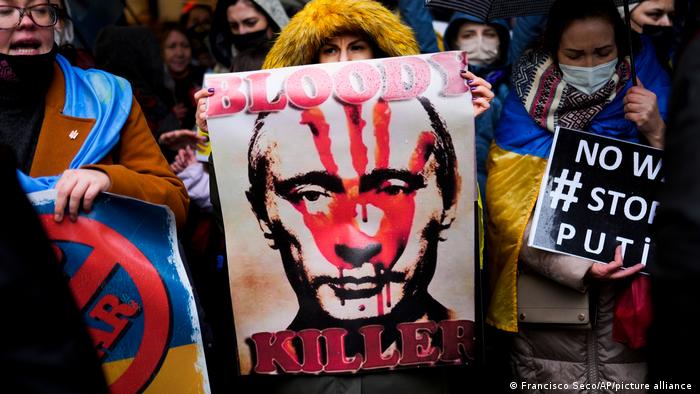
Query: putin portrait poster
x=348 y=194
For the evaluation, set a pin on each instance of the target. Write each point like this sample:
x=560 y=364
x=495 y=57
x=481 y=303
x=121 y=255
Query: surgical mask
x=588 y=79
x=480 y=51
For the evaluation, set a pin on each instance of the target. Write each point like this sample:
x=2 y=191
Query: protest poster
x=203 y=149
x=348 y=193
x=597 y=193
x=128 y=280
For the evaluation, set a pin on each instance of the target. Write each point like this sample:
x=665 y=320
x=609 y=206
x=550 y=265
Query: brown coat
x=135 y=166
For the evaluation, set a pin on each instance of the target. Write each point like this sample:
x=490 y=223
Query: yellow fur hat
x=300 y=41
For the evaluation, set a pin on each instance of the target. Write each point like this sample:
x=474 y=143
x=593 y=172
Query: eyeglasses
x=43 y=15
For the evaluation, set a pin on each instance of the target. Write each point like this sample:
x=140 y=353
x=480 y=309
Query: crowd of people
x=147 y=117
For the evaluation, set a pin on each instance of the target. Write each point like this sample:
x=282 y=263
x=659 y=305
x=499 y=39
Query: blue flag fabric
x=91 y=94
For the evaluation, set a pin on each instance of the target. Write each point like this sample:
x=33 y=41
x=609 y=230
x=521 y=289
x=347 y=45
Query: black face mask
x=33 y=71
x=250 y=40
x=660 y=34
x=662 y=39
x=200 y=30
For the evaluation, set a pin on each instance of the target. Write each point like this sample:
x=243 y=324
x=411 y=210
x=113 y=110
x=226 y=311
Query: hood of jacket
x=459 y=18
x=300 y=42
x=220 y=35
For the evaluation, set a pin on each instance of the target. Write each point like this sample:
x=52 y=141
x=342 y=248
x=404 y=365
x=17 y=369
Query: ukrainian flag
x=516 y=164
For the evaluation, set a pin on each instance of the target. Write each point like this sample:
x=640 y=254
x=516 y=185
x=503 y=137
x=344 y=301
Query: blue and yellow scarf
x=92 y=94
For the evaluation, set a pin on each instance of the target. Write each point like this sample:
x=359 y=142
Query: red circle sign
x=109 y=249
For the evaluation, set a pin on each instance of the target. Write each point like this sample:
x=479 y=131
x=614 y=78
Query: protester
x=242 y=24
x=185 y=77
x=651 y=13
x=580 y=78
x=486 y=45
x=195 y=14
x=196 y=19
x=133 y=53
x=79 y=132
x=35 y=359
x=655 y=19
x=65 y=38
x=673 y=339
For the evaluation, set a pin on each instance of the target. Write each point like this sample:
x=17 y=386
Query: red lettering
x=318 y=80
x=335 y=350
x=373 y=349
x=227 y=99
x=275 y=348
x=258 y=95
x=416 y=347
x=369 y=80
x=447 y=63
x=312 y=350
x=418 y=78
x=457 y=334
x=111 y=311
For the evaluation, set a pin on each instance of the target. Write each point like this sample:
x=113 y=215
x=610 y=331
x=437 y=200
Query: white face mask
x=480 y=51
x=588 y=79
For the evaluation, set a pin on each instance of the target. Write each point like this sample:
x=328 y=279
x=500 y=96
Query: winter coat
x=543 y=353
x=517 y=161
x=300 y=42
x=135 y=165
x=675 y=276
x=63 y=358
x=498 y=75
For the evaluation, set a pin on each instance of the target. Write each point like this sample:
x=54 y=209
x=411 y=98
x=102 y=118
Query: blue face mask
x=588 y=79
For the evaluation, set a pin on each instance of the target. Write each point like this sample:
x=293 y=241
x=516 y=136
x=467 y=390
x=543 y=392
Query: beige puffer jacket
x=546 y=353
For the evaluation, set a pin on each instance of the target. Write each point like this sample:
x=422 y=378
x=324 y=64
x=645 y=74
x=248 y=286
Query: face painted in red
x=349 y=206
x=336 y=229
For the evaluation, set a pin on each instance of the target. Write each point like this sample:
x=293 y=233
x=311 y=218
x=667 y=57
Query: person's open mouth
x=25 y=47
x=365 y=287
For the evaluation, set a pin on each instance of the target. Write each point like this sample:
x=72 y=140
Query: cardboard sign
x=348 y=193
x=598 y=193
x=128 y=279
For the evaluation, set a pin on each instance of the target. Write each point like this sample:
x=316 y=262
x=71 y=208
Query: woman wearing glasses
x=79 y=132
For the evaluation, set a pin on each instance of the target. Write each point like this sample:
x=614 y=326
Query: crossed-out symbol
x=111 y=249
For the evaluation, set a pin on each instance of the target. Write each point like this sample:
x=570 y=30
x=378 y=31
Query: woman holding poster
x=328 y=31
x=580 y=79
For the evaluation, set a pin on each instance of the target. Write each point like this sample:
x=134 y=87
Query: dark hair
x=443 y=151
x=564 y=12
x=222 y=7
x=184 y=18
x=220 y=37
x=168 y=27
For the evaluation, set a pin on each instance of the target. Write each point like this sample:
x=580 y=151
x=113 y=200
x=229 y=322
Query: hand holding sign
x=642 y=109
x=481 y=92
x=77 y=185
x=613 y=270
x=201 y=114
